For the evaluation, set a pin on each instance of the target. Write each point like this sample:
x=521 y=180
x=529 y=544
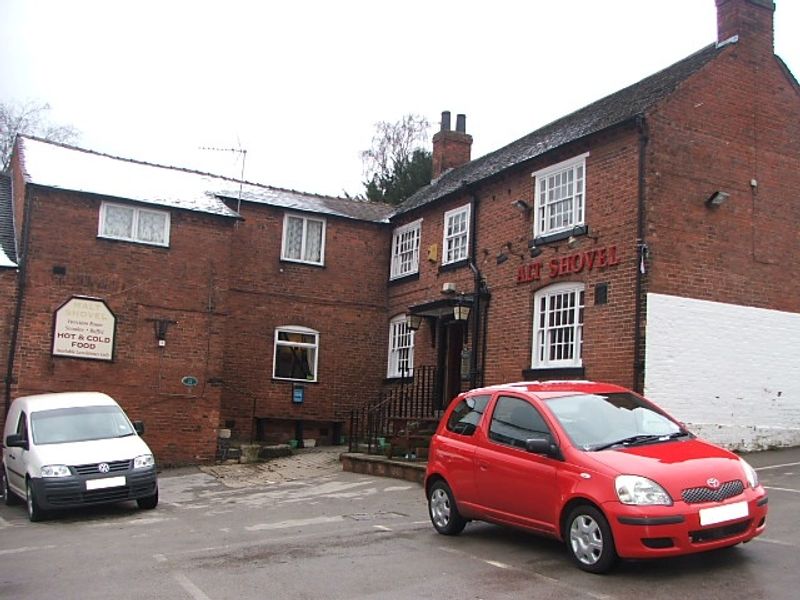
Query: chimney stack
x=451 y=149
x=750 y=20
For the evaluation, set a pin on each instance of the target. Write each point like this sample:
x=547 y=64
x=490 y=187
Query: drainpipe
x=641 y=247
x=477 y=294
x=21 y=279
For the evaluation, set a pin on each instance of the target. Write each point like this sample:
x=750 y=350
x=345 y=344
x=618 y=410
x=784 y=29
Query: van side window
x=514 y=421
x=467 y=414
x=22 y=426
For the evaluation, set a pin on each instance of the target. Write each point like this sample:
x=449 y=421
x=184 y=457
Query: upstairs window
x=303 y=239
x=560 y=196
x=401 y=348
x=134 y=224
x=455 y=246
x=295 y=356
x=405 y=250
x=558 y=326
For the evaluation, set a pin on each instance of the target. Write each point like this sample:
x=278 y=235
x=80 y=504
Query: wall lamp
x=579 y=230
x=461 y=311
x=413 y=322
x=717 y=198
x=533 y=249
x=503 y=254
x=522 y=206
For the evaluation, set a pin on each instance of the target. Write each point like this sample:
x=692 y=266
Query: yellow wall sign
x=84 y=328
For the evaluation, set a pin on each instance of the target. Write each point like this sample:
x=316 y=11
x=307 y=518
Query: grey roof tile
x=614 y=109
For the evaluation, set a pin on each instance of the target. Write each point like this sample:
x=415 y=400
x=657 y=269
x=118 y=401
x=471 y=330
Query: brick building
x=646 y=240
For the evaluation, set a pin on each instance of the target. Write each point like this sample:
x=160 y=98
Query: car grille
x=696 y=495
x=114 y=466
x=718 y=533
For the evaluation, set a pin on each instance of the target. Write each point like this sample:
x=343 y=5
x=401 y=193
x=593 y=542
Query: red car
x=592 y=464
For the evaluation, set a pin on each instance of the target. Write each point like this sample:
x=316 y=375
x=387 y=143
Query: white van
x=74 y=449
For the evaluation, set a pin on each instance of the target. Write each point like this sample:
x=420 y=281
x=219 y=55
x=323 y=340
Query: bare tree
x=28 y=118
x=397 y=163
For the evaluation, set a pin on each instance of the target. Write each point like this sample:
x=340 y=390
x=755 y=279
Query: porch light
x=413 y=322
x=461 y=312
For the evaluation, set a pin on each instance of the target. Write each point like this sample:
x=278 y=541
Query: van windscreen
x=79 y=424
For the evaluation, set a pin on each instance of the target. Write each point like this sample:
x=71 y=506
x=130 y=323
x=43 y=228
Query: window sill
x=137 y=242
x=556 y=373
x=397 y=378
x=289 y=261
x=454 y=265
x=282 y=380
x=404 y=278
x=561 y=235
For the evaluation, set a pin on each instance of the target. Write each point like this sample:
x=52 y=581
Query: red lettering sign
x=571 y=264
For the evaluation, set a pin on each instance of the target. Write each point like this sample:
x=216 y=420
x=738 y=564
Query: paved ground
x=300 y=528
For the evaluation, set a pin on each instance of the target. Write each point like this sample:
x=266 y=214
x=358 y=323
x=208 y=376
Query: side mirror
x=15 y=440
x=542 y=446
x=138 y=427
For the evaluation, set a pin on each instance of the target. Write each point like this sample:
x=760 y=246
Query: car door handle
x=483 y=466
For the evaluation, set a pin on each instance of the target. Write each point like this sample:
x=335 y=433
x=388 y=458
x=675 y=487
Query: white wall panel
x=730 y=372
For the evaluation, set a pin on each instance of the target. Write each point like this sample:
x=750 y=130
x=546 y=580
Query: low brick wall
x=383 y=467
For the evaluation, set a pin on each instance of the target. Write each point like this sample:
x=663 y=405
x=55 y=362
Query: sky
x=300 y=84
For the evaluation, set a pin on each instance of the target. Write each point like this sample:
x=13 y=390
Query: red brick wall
x=345 y=301
x=8 y=297
x=733 y=122
x=185 y=283
x=611 y=193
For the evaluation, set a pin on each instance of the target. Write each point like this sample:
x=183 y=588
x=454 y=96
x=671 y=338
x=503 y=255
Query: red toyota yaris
x=592 y=464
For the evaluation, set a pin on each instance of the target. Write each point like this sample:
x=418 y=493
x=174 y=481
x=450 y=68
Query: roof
x=66 y=167
x=617 y=108
x=8 y=252
x=64 y=400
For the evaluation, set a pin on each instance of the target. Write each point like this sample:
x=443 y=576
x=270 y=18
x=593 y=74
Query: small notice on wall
x=84 y=328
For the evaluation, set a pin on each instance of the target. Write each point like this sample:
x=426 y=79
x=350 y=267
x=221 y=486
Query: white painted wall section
x=730 y=372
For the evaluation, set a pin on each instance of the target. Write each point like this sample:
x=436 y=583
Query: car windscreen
x=79 y=424
x=598 y=421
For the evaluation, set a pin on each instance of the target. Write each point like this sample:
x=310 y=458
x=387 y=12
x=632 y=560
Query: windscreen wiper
x=649 y=438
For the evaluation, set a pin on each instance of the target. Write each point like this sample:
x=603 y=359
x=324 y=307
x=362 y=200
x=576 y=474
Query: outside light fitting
x=717 y=198
x=533 y=249
x=461 y=312
x=522 y=206
x=413 y=322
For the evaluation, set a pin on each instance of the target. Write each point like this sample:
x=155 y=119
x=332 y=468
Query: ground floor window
x=295 y=355
x=558 y=326
x=401 y=348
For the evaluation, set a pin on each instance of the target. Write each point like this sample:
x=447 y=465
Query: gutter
x=642 y=255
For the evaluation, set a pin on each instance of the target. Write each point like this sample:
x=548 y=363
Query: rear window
x=79 y=424
x=467 y=415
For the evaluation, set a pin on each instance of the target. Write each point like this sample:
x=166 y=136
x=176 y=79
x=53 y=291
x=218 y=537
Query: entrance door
x=451 y=350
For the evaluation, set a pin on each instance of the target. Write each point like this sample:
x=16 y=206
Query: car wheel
x=443 y=510
x=148 y=502
x=589 y=540
x=35 y=513
x=9 y=498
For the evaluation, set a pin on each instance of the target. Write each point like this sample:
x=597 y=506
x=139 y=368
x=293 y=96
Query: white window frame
x=449 y=252
x=305 y=219
x=137 y=211
x=401 y=339
x=301 y=330
x=543 y=337
x=544 y=189
x=405 y=250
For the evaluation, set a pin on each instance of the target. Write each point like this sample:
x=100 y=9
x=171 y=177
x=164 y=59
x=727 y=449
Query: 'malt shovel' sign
x=84 y=328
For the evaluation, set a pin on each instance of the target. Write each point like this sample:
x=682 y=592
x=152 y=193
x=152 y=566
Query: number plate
x=719 y=514
x=108 y=482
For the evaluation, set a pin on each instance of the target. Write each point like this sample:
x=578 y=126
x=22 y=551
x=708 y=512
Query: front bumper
x=65 y=492
x=653 y=531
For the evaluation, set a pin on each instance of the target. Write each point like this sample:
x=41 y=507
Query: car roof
x=64 y=400
x=533 y=387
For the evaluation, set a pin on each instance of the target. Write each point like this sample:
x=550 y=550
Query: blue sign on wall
x=298 y=393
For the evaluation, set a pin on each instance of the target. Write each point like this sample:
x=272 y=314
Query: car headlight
x=143 y=461
x=632 y=489
x=749 y=473
x=55 y=471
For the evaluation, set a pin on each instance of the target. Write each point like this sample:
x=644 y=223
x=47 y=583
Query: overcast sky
x=300 y=84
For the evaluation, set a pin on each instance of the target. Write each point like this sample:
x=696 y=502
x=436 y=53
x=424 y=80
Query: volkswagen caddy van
x=74 y=449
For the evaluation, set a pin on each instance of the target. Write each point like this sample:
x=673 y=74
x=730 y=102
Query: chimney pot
x=445 y=120
x=461 y=123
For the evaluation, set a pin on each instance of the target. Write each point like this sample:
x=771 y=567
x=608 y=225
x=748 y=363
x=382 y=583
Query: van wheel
x=35 y=512
x=443 y=510
x=148 y=502
x=9 y=497
x=589 y=540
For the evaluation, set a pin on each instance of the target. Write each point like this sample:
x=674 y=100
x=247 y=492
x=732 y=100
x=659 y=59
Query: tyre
x=148 y=502
x=589 y=540
x=35 y=512
x=9 y=497
x=443 y=510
